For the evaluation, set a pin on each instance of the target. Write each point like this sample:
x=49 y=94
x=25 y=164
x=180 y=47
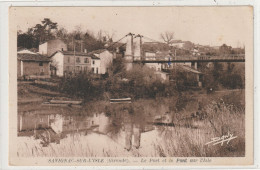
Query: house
x=95 y=64
x=70 y=62
x=193 y=76
x=51 y=46
x=177 y=43
x=32 y=65
x=106 y=59
x=155 y=66
x=162 y=75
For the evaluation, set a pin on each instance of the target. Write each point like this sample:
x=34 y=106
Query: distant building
x=32 y=65
x=177 y=43
x=106 y=59
x=51 y=46
x=162 y=75
x=155 y=66
x=70 y=62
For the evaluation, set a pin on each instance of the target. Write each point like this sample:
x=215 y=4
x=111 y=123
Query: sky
x=212 y=26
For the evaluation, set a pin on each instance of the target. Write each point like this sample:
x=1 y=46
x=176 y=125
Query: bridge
x=134 y=54
x=202 y=58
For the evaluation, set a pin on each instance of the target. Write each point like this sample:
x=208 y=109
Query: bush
x=82 y=86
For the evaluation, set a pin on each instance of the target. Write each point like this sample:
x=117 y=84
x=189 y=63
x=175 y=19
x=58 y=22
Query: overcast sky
x=204 y=25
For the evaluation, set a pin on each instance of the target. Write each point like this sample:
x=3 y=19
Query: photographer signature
x=225 y=138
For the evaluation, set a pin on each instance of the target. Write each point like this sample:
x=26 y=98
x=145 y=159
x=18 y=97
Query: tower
x=137 y=47
x=129 y=53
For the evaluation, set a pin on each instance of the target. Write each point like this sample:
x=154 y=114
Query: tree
x=167 y=37
x=224 y=49
x=39 y=33
x=61 y=33
x=43 y=32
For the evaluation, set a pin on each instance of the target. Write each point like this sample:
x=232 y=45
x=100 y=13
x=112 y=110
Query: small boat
x=55 y=104
x=121 y=100
x=75 y=102
x=61 y=104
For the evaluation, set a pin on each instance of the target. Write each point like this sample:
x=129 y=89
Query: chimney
x=85 y=51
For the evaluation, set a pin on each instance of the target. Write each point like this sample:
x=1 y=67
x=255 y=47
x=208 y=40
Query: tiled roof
x=77 y=54
x=71 y=53
x=32 y=57
x=189 y=69
x=97 y=51
x=94 y=57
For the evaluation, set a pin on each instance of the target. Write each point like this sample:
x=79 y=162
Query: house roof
x=25 y=51
x=98 y=51
x=32 y=57
x=94 y=57
x=189 y=69
x=71 y=53
x=77 y=54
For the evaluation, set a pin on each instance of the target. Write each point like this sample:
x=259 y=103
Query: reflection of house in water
x=31 y=120
x=101 y=121
x=58 y=126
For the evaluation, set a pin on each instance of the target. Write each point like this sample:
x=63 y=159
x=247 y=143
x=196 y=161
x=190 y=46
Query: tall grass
x=221 y=119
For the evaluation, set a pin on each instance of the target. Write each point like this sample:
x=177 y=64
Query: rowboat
x=121 y=100
x=66 y=102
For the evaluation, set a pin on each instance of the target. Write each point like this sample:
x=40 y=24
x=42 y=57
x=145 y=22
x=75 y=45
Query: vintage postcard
x=109 y=86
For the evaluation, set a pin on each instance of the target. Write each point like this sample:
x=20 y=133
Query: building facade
x=95 y=64
x=106 y=59
x=32 y=65
x=69 y=62
x=51 y=46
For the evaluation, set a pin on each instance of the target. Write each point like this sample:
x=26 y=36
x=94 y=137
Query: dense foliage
x=49 y=30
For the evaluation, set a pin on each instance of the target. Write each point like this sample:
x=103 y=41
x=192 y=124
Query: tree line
x=76 y=39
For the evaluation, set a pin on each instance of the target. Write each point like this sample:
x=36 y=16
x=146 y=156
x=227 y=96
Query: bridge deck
x=179 y=59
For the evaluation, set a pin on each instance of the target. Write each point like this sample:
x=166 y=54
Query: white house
x=106 y=59
x=95 y=64
x=68 y=62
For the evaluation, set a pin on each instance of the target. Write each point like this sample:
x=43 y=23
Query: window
x=93 y=69
x=42 y=70
x=86 y=60
x=41 y=64
x=78 y=60
x=68 y=59
x=97 y=70
x=93 y=62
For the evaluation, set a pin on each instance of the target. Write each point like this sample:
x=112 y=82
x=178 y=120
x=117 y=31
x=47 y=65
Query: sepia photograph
x=120 y=83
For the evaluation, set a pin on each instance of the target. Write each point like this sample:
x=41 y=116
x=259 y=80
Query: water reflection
x=123 y=123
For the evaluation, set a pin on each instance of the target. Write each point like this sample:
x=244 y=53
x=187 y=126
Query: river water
x=142 y=128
